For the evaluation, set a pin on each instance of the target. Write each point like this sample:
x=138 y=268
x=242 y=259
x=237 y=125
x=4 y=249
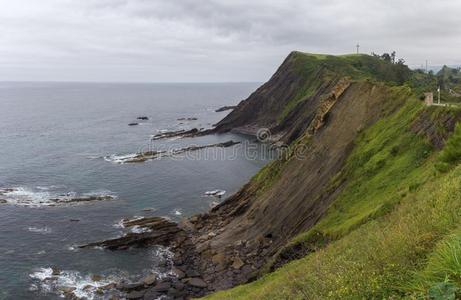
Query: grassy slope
x=403 y=210
x=374 y=261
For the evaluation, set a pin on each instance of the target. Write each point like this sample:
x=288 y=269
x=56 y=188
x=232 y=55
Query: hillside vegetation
x=391 y=225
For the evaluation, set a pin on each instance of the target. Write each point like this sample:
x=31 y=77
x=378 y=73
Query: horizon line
x=128 y=82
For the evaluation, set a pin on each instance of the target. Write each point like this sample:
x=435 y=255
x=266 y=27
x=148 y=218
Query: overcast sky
x=212 y=40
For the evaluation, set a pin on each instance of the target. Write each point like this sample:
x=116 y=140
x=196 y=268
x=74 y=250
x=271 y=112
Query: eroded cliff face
x=236 y=238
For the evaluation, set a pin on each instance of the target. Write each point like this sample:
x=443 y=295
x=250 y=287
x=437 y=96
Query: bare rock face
x=157 y=231
x=436 y=129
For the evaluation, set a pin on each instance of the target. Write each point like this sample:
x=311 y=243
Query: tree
x=393 y=57
x=386 y=57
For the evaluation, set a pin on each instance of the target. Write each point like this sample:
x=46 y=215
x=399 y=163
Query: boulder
x=180 y=274
x=135 y=295
x=130 y=286
x=197 y=282
x=220 y=259
x=149 y=279
x=192 y=273
x=237 y=263
x=55 y=271
x=162 y=287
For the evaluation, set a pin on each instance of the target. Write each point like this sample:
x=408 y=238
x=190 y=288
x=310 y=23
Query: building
x=429 y=99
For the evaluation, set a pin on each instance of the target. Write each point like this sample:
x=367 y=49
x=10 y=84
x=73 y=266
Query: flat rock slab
x=159 y=231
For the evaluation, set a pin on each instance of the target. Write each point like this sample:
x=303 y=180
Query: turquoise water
x=53 y=137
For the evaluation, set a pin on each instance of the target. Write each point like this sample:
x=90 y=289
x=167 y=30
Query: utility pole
x=358 y=46
x=426 y=65
x=438 y=92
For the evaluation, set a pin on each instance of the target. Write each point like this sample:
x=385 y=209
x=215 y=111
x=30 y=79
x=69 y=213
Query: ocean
x=63 y=140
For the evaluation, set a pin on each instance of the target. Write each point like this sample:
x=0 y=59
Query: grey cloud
x=211 y=40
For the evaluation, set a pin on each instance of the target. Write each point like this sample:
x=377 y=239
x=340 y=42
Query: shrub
x=451 y=153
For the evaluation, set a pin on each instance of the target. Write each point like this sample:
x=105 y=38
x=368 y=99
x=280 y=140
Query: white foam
x=42 y=196
x=120 y=158
x=177 y=212
x=139 y=229
x=43 y=230
x=72 y=248
x=217 y=193
x=42 y=274
x=83 y=285
x=220 y=193
x=26 y=197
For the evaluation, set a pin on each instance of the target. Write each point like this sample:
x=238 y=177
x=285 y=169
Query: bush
x=451 y=153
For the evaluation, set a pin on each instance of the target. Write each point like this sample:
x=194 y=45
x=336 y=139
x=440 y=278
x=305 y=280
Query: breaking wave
x=48 y=196
x=73 y=284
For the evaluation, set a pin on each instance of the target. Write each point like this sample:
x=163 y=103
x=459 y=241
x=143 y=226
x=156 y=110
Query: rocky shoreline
x=185 y=280
x=155 y=154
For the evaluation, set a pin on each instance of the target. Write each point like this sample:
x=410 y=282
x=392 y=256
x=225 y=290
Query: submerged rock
x=154 y=154
x=187 y=119
x=143 y=118
x=55 y=271
x=177 y=133
x=224 y=108
x=82 y=199
x=156 y=231
x=133 y=124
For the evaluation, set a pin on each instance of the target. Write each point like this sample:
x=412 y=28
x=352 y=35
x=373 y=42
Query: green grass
x=443 y=266
x=375 y=260
x=451 y=154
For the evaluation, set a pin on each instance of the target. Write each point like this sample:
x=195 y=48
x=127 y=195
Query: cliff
x=363 y=201
x=360 y=148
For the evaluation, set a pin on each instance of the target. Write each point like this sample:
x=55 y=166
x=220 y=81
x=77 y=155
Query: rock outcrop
x=224 y=108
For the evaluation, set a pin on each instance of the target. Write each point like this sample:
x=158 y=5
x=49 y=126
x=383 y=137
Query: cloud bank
x=212 y=40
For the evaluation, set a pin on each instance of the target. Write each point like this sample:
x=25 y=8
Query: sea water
x=55 y=139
